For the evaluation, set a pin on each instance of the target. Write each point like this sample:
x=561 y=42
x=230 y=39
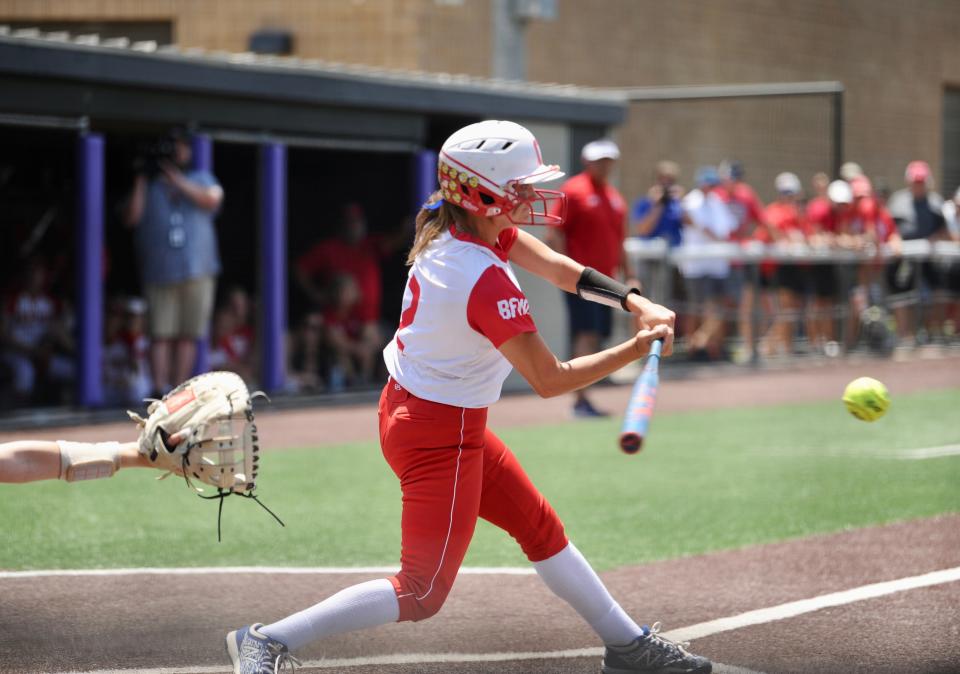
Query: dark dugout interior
x=37 y=204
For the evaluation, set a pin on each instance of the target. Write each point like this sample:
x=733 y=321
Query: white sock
x=571 y=578
x=358 y=607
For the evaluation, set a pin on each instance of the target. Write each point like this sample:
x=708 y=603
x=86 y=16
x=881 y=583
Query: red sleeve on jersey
x=497 y=309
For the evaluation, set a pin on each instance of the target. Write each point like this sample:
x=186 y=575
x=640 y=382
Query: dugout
x=289 y=140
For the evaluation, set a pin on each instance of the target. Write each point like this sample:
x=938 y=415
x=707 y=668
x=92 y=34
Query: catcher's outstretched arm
x=34 y=460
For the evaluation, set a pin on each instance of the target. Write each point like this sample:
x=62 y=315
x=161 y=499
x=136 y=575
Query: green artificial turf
x=705 y=481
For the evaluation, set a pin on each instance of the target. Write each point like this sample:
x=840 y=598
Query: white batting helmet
x=482 y=165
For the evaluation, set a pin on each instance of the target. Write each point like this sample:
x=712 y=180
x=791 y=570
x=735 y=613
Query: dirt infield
x=57 y=624
x=170 y=624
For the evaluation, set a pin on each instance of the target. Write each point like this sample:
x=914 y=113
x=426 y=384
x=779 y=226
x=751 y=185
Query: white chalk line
x=927 y=452
x=691 y=632
x=914 y=454
x=263 y=570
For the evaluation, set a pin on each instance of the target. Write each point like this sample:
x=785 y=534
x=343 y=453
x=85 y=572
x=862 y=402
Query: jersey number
x=406 y=318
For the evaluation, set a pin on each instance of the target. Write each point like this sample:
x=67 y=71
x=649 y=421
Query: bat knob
x=631 y=443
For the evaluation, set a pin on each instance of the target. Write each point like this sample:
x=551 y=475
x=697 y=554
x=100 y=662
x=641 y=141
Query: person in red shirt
x=356 y=254
x=353 y=358
x=592 y=234
x=233 y=336
x=787 y=225
x=868 y=229
x=748 y=210
x=827 y=216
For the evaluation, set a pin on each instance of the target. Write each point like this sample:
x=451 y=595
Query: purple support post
x=202 y=147
x=273 y=264
x=202 y=161
x=424 y=177
x=89 y=269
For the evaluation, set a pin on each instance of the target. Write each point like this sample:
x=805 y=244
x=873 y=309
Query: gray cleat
x=653 y=654
x=253 y=652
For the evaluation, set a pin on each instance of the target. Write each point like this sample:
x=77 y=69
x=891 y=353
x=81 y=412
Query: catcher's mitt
x=213 y=413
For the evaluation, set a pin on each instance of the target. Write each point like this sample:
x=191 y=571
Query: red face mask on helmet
x=490 y=168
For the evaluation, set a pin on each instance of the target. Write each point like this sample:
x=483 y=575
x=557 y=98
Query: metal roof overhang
x=267 y=95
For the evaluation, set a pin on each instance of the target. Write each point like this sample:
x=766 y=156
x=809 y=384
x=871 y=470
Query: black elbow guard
x=600 y=288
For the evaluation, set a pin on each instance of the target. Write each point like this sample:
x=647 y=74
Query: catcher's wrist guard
x=88 y=461
x=602 y=289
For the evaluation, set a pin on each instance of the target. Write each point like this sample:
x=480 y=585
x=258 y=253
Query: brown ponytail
x=432 y=222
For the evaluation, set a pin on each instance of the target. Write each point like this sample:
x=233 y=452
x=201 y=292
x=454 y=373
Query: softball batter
x=465 y=323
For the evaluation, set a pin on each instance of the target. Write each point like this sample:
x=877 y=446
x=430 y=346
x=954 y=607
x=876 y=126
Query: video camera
x=151 y=154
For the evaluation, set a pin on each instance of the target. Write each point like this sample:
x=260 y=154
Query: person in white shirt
x=465 y=324
x=951 y=270
x=709 y=220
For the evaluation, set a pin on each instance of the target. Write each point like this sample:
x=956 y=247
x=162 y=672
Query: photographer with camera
x=172 y=207
x=658 y=214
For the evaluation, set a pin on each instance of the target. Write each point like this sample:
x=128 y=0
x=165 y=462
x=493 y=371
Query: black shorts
x=585 y=316
x=795 y=278
x=903 y=276
x=822 y=281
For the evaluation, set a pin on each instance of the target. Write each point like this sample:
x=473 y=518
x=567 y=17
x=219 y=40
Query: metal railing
x=656 y=264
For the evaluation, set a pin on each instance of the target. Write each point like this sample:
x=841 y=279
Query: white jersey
x=709 y=213
x=462 y=301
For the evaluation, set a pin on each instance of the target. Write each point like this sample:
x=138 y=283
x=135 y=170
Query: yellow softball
x=866 y=398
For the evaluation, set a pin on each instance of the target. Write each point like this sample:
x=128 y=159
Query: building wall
x=894 y=56
x=398 y=34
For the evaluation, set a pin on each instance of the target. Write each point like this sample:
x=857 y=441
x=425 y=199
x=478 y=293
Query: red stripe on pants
x=452 y=469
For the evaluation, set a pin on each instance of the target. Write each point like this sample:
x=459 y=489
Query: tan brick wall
x=403 y=34
x=894 y=56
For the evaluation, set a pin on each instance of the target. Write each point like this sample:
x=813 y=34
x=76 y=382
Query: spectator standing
x=850 y=171
x=788 y=227
x=173 y=207
x=818 y=185
x=827 y=216
x=868 y=230
x=917 y=211
x=592 y=234
x=659 y=215
x=951 y=213
x=708 y=220
x=748 y=211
